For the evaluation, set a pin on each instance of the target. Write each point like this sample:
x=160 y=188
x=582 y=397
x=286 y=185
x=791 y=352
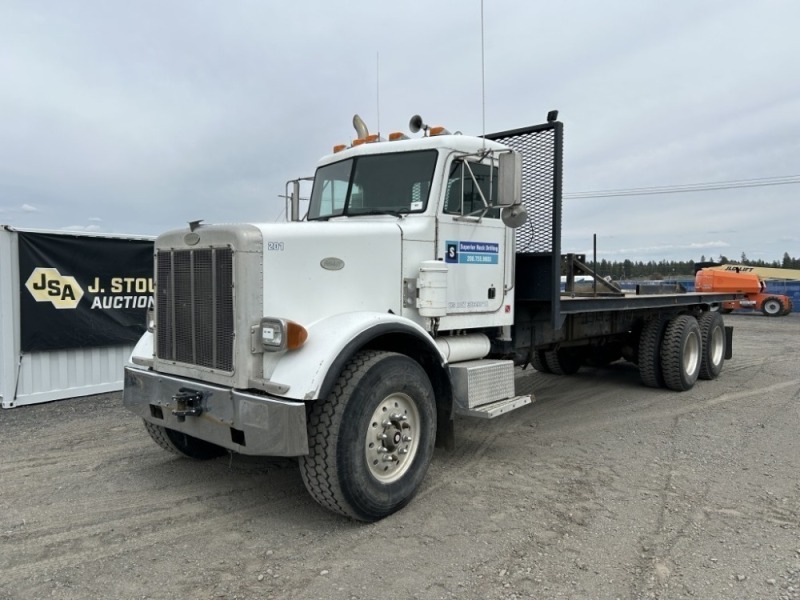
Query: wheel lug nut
x=406 y=438
x=403 y=451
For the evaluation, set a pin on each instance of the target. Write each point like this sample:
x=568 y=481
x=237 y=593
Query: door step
x=494 y=409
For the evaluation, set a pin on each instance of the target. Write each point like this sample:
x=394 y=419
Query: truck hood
x=314 y=270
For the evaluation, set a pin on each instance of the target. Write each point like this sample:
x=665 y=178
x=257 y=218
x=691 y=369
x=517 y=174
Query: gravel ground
x=601 y=489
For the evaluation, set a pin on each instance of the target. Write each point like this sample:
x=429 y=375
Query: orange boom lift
x=756 y=295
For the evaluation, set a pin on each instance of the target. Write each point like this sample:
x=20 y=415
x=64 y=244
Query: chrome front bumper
x=242 y=422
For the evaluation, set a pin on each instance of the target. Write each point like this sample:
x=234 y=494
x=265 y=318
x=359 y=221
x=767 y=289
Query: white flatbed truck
x=424 y=272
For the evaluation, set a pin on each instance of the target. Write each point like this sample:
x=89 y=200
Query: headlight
x=281 y=334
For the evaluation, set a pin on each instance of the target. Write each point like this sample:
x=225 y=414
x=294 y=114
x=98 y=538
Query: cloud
x=160 y=113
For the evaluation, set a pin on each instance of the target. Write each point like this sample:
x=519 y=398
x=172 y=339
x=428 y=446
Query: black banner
x=79 y=291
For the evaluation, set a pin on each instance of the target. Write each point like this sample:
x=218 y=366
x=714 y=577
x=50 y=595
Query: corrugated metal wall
x=44 y=376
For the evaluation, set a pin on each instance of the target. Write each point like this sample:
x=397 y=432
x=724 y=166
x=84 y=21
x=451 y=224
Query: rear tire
x=183 y=444
x=772 y=307
x=539 y=362
x=681 y=352
x=649 y=353
x=371 y=440
x=712 y=334
x=562 y=361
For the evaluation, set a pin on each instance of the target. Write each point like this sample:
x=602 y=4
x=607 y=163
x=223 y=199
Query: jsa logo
x=48 y=285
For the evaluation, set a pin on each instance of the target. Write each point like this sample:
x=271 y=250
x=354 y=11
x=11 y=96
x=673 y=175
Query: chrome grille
x=194 y=307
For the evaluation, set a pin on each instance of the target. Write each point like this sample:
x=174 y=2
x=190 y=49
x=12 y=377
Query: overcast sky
x=136 y=117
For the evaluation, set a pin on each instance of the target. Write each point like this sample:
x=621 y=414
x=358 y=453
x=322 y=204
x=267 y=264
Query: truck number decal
x=473 y=253
x=275 y=246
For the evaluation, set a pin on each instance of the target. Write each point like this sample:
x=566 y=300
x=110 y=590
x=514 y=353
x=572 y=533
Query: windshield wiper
x=383 y=211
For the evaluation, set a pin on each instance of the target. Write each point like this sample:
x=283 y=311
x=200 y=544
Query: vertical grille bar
x=193 y=312
x=172 y=306
x=194 y=307
x=214 y=332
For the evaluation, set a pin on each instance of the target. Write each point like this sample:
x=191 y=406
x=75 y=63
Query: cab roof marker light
x=397 y=135
x=372 y=138
x=358 y=141
x=339 y=148
x=439 y=130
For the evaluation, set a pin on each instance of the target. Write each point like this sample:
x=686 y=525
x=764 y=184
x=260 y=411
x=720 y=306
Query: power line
x=689 y=187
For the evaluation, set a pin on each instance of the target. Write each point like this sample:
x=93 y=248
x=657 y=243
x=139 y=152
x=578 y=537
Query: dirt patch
x=602 y=488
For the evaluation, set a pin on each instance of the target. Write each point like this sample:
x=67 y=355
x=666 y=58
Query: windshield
x=396 y=183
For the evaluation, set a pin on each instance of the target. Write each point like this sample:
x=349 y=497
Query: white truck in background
x=424 y=272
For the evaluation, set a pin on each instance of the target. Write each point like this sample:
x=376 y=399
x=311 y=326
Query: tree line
x=671 y=269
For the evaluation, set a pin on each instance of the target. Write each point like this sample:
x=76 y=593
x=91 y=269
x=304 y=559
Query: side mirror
x=509 y=189
x=509 y=184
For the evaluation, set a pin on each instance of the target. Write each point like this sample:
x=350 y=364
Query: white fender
x=304 y=369
x=142 y=352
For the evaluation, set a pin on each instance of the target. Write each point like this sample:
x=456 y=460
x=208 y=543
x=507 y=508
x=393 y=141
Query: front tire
x=371 y=441
x=183 y=444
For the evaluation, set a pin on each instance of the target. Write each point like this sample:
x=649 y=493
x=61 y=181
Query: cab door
x=472 y=239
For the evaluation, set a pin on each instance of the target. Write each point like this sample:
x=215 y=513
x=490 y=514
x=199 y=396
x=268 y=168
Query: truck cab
x=439 y=197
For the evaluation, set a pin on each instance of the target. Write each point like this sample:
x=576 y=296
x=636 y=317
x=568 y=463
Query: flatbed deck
x=570 y=304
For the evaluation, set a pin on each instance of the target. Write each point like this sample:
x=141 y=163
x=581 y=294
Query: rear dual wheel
x=562 y=361
x=681 y=353
x=539 y=361
x=673 y=353
x=650 y=341
x=712 y=331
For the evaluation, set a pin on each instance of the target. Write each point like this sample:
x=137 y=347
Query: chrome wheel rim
x=392 y=437
x=691 y=353
x=717 y=345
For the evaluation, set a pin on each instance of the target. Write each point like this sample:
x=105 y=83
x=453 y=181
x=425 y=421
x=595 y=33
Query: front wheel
x=371 y=441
